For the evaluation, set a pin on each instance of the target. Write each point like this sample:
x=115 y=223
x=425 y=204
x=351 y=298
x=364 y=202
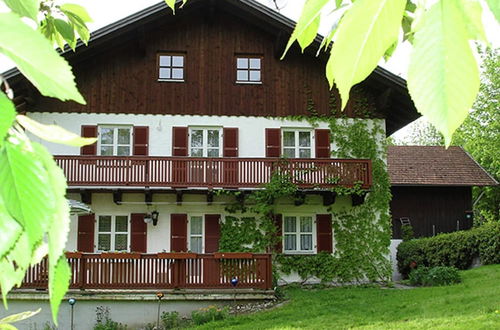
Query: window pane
x=306 y=242
x=213 y=138
x=196 y=225
x=242 y=75
x=106 y=151
x=120 y=242
x=254 y=75
x=304 y=139
x=306 y=224
x=197 y=138
x=197 y=152
x=121 y=223
x=255 y=63
x=290 y=242
x=178 y=61
x=124 y=136
x=290 y=224
x=105 y=223
x=104 y=242
x=289 y=139
x=289 y=153
x=123 y=151
x=177 y=73
x=106 y=135
x=305 y=153
x=242 y=63
x=165 y=73
x=213 y=153
x=165 y=60
x=195 y=244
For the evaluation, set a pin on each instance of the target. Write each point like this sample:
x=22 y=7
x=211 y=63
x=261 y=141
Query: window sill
x=248 y=82
x=171 y=80
x=299 y=253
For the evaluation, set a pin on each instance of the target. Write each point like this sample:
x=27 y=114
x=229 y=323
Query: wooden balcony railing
x=160 y=271
x=211 y=172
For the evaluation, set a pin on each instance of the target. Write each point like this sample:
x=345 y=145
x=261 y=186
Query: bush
x=406 y=232
x=104 y=321
x=456 y=249
x=418 y=275
x=435 y=276
x=211 y=313
x=170 y=320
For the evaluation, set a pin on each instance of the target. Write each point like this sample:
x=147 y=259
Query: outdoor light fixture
x=154 y=217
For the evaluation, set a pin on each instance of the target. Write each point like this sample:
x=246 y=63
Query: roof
x=394 y=96
x=435 y=166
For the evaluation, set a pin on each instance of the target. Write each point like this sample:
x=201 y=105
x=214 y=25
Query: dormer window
x=171 y=67
x=248 y=70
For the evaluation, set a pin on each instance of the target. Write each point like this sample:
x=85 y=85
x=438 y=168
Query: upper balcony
x=190 y=172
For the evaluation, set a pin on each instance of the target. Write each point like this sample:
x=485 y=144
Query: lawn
x=473 y=304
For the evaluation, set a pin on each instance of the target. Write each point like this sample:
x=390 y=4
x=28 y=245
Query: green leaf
x=495 y=8
x=307 y=27
x=48 y=71
x=77 y=10
x=171 y=4
x=388 y=53
x=7 y=326
x=66 y=31
x=9 y=277
x=59 y=277
x=473 y=12
x=443 y=77
x=19 y=317
x=53 y=133
x=365 y=33
x=10 y=229
x=79 y=26
x=28 y=8
x=7 y=115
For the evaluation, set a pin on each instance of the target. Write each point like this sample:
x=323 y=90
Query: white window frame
x=197 y=235
x=248 y=69
x=115 y=144
x=205 y=130
x=296 y=136
x=171 y=67
x=113 y=232
x=297 y=234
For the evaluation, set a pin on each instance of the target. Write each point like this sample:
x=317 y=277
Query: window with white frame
x=205 y=142
x=196 y=234
x=298 y=234
x=248 y=69
x=115 y=140
x=297 y=143
x=112 y=233
x=171 y=67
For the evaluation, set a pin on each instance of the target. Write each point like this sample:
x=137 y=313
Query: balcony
x=189 y=172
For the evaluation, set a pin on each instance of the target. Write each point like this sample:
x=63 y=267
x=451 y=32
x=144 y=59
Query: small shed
x=432 y=188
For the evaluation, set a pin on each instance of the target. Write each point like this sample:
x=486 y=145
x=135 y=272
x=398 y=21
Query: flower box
x=177 y=255
x=120 y=255
x=233 y=255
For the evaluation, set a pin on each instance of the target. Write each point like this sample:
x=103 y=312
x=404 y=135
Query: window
x=298 y=234
x=196 y=234
x=205 y=142
x=248 y=70
x=112 y=233
x=297 y=143
x=115 y=140
x=171 y=67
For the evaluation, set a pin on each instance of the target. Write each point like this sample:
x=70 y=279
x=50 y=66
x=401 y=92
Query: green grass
x=472 y=304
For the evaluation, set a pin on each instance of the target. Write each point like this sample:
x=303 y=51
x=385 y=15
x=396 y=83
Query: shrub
x=435 y=276
x=418 y=275
x=406 y=232
x=170 y=320
x=104 y=321
x=211 y=313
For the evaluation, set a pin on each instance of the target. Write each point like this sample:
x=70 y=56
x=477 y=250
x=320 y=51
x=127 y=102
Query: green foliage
x=209 y=314
x=6 y=322
x=407 y=232
x=241 y=235
x=104 y=321
x=170 y=320
x=418 y=276
x=436 y=276
x=322 y=265
x=26 y=8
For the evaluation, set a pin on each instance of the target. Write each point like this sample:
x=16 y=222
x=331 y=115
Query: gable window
x=297 y=143
x=171 y=67
x=205 y=142
x=196 y=234
x=115 y=140
x=248 y=70
x=298 y=234
x=112 y=233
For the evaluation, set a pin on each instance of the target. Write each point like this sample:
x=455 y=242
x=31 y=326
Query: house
x=194 y=114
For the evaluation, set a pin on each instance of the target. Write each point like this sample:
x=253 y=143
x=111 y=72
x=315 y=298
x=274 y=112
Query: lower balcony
x=188 y=172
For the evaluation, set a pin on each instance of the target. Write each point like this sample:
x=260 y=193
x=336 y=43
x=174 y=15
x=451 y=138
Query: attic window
x=171 y=67
x=248 y=70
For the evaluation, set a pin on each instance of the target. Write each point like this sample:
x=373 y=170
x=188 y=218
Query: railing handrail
x=232 y=159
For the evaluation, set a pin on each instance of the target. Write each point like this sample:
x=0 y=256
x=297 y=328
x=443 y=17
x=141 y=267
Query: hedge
x=456 y=249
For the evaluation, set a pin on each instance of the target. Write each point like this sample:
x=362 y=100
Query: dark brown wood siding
x=122 y=77
x=441 y=207
x=138 y=233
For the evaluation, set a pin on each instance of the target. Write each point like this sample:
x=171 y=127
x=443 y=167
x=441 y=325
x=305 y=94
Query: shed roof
x=435 y=166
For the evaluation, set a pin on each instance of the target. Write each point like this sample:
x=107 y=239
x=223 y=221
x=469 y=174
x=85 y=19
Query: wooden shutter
x=273 y=142
x=212 y=233
x=138 y=233
x=89 y=131
x=278 y=222
x=324 y=232
x=141 y=141
x=178 y=232
x=179 y=141
x=85 y=240
x=322 y=141
x=230 y=148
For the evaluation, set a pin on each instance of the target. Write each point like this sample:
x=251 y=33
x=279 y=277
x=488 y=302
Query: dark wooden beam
x=299 y=198
x=280 y=44
x=117 y=196
x=357 y=199
x=329 y=198
x=148 y=197
x=86 y=196
x=210 y=197
x=178 y=197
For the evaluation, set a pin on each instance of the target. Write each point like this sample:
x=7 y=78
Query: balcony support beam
x=329 y=197
x=178 y=196
x=210 y=197
x=86 y=196
x=148 y=197
x=358 y=199
x=117 y=196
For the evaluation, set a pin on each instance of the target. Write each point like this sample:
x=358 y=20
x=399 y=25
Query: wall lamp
x=152 y=218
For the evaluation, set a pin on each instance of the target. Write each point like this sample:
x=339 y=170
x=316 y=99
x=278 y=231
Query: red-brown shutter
x=273 y=142
x=141 y=141
x=212 y=233
x=179 y=141
x=85 y=241
x=278 y=222
x=178 y=232
x=322 y=137
x=230 y=148
x=89 y=131
x=138 y=233
x=324 y=232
